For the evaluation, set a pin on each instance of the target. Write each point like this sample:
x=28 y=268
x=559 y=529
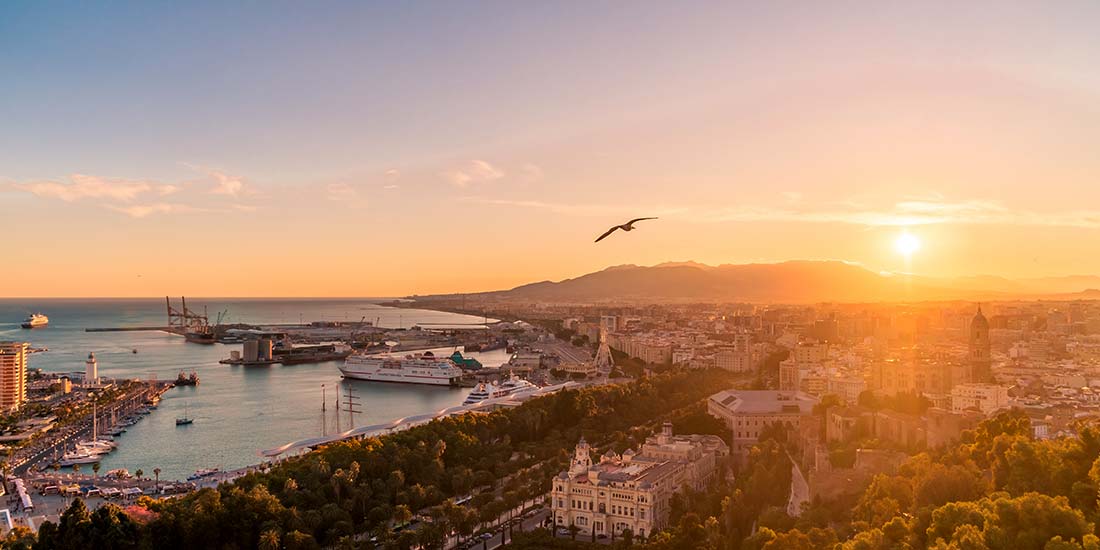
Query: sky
x=395 y=148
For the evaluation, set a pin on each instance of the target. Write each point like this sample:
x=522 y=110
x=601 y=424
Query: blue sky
x=429 y=128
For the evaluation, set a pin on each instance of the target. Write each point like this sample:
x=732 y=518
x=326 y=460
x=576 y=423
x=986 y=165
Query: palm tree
x=95 y=470
x=138 y=473
x=156 y=472
x=269 y=540
x=76 y=468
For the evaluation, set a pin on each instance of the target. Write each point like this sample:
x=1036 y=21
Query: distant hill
x=788 y=282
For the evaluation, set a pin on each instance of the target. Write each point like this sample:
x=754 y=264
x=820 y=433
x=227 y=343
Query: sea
x=238 y=411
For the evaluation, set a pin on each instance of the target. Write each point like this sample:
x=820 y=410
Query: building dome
x=979 y=320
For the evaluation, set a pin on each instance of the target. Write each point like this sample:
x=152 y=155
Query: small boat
x=72 y=459
x=186 y=418
x=199 y=474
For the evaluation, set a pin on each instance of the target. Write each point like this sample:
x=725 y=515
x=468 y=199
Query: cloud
x=224 y=184
x=341 y=192
x=531 y=172
x=392 y=173
x=473 y=171
x=81 y=186
x=900 y=214
x=143 y=210
x=140 y=198
x=580 y=209
x=391 y=186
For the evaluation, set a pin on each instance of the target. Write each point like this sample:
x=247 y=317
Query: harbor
x=236 y=411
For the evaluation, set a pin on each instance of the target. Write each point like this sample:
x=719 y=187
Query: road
x=499 y=537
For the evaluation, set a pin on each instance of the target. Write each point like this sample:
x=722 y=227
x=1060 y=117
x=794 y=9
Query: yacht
x=36 y=320
x=99 y=446
x=70 y=459
x=410 y=369
x=512 y=385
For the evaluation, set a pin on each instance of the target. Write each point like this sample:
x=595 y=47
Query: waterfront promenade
x=43 y=450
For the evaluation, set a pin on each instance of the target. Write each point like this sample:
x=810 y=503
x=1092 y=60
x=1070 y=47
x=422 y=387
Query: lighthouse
x=91 y=371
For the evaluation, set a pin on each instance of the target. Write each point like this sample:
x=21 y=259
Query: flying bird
x=628 y=226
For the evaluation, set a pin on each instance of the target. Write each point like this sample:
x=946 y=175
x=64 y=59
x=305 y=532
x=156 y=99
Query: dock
x=126 y=329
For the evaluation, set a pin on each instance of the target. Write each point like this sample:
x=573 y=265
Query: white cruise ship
x=512 y=385
x=410 y=369
x=36 y=320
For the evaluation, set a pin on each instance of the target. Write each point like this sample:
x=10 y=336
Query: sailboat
x=186 y=419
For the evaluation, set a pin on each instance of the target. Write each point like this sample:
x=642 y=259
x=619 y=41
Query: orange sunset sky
x=382 y=150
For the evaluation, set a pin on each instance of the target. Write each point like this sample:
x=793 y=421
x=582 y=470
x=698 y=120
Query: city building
x=748 y=412
x=985 y=398
x=633 y=490
x=13 y=375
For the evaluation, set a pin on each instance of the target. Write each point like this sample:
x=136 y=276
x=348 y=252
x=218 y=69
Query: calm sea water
x=238 y=411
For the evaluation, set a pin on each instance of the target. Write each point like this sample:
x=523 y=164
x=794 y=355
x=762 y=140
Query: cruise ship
x=512 y=385
x=36 y=320
x=410 y=369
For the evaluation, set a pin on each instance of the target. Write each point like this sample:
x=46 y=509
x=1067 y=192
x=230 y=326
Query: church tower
x=981 y=357
x=582 y=459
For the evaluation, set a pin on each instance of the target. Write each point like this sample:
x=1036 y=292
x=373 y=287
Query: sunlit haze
x=385 y=149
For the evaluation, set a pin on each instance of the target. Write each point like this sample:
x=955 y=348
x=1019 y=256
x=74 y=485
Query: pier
x=127 y=329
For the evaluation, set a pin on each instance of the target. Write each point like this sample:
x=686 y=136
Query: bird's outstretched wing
x=631 y=222
x=608 y=232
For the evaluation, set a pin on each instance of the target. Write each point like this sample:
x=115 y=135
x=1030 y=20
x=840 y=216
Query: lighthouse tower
x=91 y=371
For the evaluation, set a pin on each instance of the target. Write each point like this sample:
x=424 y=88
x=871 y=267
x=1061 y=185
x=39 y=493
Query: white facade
x=91 y=370
x=987 y=398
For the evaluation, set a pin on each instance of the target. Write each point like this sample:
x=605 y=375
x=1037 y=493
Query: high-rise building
x=13 y=375
x=981 y=355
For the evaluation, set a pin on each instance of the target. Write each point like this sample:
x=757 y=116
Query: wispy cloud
x=909 y=212
x=83 y=186
x=139 y=198
x=144 y=210
x=579 y=209
x=473 y=171
x=340 y=192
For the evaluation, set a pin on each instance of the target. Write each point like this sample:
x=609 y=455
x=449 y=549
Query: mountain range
x=790 y=282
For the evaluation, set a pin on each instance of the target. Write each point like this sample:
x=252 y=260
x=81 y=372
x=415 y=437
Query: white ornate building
x=633 y=490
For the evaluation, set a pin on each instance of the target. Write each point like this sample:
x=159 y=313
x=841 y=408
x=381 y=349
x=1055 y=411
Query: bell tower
x=582 y=459
x=981 y=356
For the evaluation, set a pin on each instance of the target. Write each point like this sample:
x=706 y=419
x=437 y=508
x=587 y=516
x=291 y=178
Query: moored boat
x=425 y=368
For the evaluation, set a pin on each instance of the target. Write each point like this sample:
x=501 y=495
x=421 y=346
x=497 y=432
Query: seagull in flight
x=628 y=226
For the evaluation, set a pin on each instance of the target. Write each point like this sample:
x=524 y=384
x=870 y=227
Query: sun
x=907 y=244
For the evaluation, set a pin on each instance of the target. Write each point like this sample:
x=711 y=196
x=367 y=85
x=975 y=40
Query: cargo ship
x=410 y=369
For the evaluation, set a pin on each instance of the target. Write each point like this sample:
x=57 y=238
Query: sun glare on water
x=907 y=244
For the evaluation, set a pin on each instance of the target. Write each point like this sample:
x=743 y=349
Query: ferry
x=410 y=369
x=512 y=385
x=36 y=320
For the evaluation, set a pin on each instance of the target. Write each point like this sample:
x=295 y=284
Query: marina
x=237 y=411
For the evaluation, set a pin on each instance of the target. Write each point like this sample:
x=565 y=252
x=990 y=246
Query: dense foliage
x=345 y=493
